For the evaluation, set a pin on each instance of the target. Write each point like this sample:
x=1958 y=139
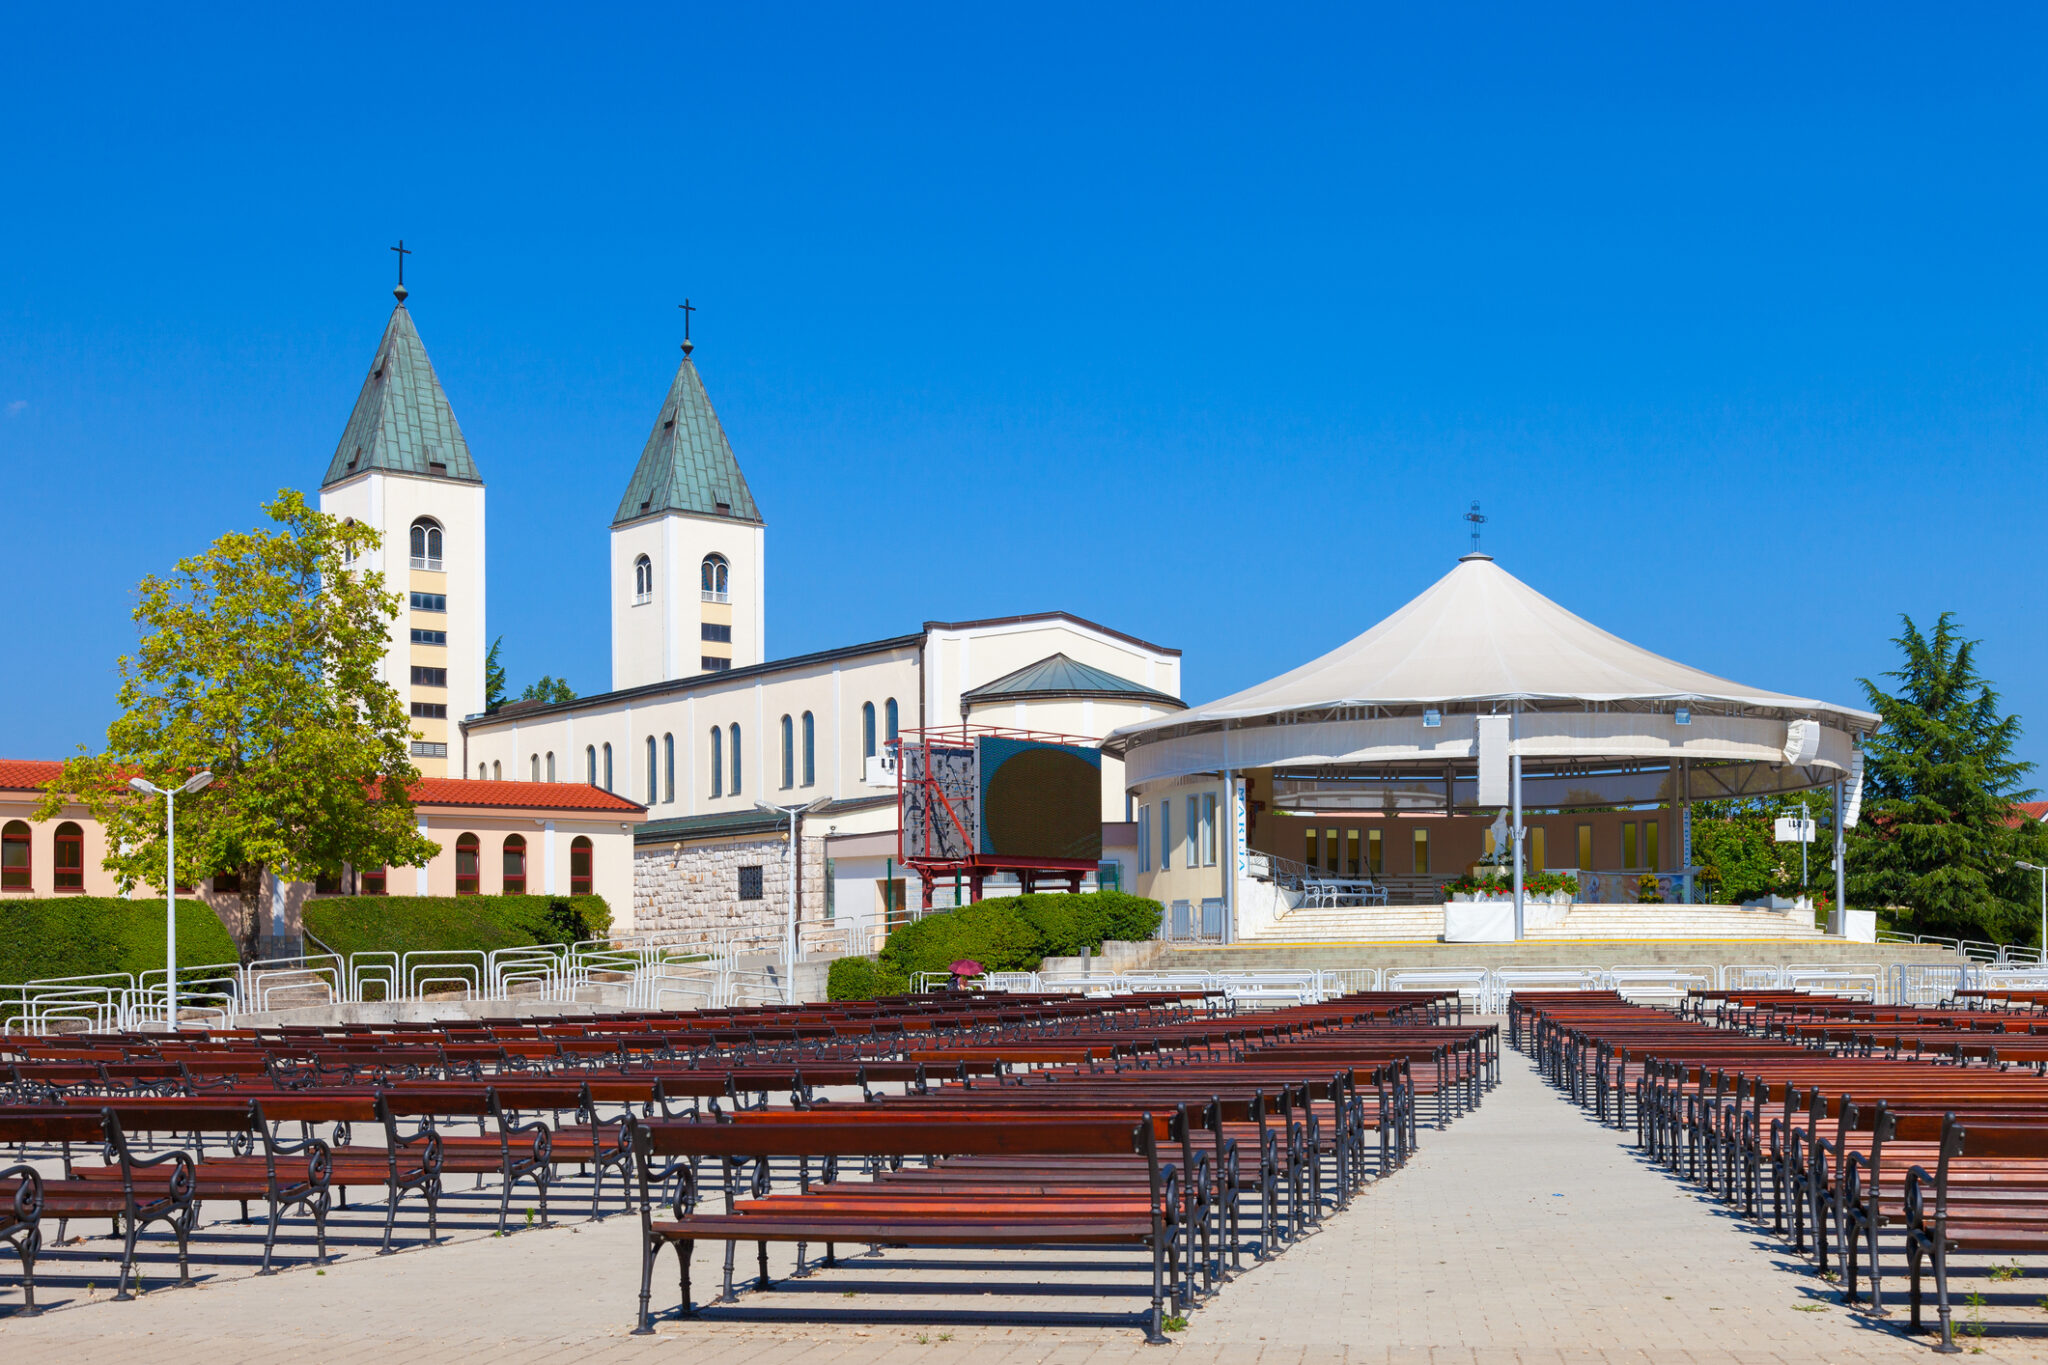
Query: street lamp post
x=170 y=796
x=794 y=813
x=2036 y=867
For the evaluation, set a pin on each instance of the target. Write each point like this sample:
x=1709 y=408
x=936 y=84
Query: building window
x=608 y=767
x=430 y=748
x=1585 y=848
x=1421 y=852
x=515 y=865
x=497 y=771
x=483 y=772
x=1650 y=858
x=714 y=579
x=1537 y=855
x=643 y=580
x=1375 y=852
x=867 y=729
x=717 y=761
x=579 y=866
x=750 y=883
x=1628 y=843
x=1310 y=858
x=715 y=633
x=551 y=765
x=810 y=749
x=370 y=881
x=430 y=601
x=430 y=637
x=1209 y=831
x=1144 y=838
x=889 y=719
x=831 y=893
x=430 y=710
x=1166 y=836
x=653 y=773
x=16 y=868
x=788 y=753
x=533 y=767
x=1194 y=832
x=668 y=768
x=466 y=859
x=426 y=544
x=590 y=763
x=1351 y=866
x=735 y=760
x=429 y=677
x=710 y=663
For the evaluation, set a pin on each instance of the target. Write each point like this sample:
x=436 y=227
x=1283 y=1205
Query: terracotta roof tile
x=458 y=791
x=27 y=774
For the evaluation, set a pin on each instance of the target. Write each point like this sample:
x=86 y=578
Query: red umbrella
x=966 y=966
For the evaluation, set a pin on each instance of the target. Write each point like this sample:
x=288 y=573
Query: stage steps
x=1407 y=923
x=1275 y=957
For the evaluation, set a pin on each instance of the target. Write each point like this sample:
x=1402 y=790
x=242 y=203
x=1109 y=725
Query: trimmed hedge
x=405 y=924
x=87 y=935
x=861 y=978
x=1016 y=933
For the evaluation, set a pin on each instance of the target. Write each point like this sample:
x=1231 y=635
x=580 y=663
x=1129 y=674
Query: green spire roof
x=1058 y=676
x=688 y=465
x=402 y=422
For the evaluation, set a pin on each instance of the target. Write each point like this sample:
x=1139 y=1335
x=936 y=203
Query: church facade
x=700 y=725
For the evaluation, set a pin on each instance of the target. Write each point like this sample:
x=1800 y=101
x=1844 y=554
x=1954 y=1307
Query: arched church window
x=426 y=544
x=810 y=749
x=715 y=579
x=498 y=771
x=867 y=729
x=643 y=580
x=652 y=773
x=668 y=768
x=717 y=761
x=608 y=767
x=551 y=765
x=735 y=760
x=590 y=763
x=788 y=753
x=533 y=765
x=889 y=714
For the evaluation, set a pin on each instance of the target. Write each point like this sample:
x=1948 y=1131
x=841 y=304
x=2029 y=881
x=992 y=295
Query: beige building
x=495 y=838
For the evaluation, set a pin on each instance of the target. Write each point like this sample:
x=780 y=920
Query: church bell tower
x=688 y=549
x=404 y=469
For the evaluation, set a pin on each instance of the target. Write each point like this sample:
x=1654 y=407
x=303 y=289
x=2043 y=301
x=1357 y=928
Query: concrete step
x=1580 y=953
x=1354 y=924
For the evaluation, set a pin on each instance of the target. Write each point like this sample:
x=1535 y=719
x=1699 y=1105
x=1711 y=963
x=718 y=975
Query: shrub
x=403 y=924
x=87 y=935
x=1016 y=933
x=862 y=978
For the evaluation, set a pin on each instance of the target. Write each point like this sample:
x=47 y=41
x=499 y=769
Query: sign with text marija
x=1793 y=829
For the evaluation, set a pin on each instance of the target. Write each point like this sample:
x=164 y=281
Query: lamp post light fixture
x=2036 y=867
x=795 y=813
x=170 y=796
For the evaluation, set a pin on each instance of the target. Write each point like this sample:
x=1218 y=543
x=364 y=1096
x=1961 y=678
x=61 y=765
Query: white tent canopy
x=1593 y=718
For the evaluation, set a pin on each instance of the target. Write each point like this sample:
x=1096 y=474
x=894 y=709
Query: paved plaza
x=1524 y=1233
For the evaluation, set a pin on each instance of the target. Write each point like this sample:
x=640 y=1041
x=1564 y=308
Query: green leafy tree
x=1734 y=844
x=259 y=660
x=1939 y=836
x=496 y=689
x=548 y=689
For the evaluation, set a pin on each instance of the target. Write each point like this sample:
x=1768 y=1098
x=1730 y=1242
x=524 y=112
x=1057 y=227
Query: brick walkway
x=1525 y=1233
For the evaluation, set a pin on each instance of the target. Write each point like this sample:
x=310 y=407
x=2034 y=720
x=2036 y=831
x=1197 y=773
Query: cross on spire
x=688 y=308
x=402 y=254
x=1478 y=520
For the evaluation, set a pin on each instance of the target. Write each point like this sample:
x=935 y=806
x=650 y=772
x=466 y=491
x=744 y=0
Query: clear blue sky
x=1204 y=323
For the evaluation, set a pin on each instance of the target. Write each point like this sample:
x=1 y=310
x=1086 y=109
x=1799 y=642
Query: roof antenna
x=1478 y=520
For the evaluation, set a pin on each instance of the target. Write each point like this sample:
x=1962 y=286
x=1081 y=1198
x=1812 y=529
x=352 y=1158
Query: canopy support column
x=1230 y=848
x=1515 y=820
x=1685 y=826
x=1841 y=915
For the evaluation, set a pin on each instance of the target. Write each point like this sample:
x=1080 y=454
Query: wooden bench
x=1047 y=1220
